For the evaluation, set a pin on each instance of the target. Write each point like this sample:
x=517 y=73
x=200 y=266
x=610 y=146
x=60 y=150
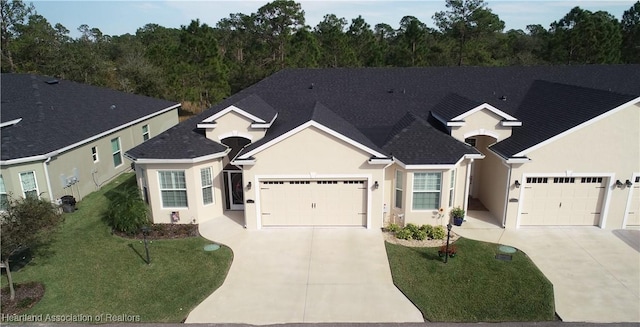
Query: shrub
x=427 y=229
x=393 y=228
x=457 y=212
x=127 y=211
x=420 y=235
x=438 y=233
x=412 y=227
x=404 y=234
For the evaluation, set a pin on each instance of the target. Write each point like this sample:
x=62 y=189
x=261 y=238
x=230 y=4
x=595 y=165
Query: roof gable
x=251 y=107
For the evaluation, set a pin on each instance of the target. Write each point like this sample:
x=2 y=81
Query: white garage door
x=633 y=217
x=563 y=201
x=313 y=202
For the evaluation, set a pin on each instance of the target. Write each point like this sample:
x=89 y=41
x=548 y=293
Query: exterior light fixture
x=628 y=183
x=517 y=184
x=619 y=184
x=249 y=186
x=376 y=185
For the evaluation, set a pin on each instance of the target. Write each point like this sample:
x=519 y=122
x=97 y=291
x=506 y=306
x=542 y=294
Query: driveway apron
x=297 y=275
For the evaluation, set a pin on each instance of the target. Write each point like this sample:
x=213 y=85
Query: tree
x=14 y=13
x=39 y=46
x=333 y=40
x=631 y=34
x=465 y=20
x=127 y=211
x=363 y=43
x=278 y=20
x=26 y=223
x=411 y=42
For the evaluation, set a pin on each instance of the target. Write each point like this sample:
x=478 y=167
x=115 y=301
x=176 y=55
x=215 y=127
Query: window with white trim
x=207 y=185
x=399 y=187
x=452 y=183
x=173 y=188
x=4 y=199
x=426 y=191
x=94 y=153
x=145 y=132
x=117 y=153
x=29 y=184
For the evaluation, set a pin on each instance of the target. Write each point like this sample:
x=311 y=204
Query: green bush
x=404 y=234
x=420 y=235
x=393 y=228
x=127 y=211
x=412 y=227
x=427 y=229
x=438 y=233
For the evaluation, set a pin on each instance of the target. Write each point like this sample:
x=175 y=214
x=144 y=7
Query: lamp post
x=145 y=232
x=446 y=253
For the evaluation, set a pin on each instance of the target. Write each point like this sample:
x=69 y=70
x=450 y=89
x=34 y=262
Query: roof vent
x=113 y=106
x=52 y=81
x=503 y=98
x=391 y=90
x=311 y=86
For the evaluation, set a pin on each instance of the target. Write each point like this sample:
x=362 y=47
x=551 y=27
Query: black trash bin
x=68 y=203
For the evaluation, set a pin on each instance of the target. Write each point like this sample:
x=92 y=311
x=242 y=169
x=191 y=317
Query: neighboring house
x=65 y=138
x=553 y=145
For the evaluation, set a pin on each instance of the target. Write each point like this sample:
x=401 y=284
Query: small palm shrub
x=127 y=211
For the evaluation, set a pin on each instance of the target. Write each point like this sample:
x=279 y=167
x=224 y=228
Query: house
x=61 y=138
x=549 y=145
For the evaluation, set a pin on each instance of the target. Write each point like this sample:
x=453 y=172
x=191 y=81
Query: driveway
x=301 y=275
x=595 y=272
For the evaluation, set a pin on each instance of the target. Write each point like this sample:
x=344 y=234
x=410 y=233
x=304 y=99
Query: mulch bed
x=27 y=295
x=165 y=231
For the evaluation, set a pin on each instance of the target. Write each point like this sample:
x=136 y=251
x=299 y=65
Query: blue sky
x=120 y=17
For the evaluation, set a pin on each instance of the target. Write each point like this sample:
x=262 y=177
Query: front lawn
x=89 y=271
x=472 y=287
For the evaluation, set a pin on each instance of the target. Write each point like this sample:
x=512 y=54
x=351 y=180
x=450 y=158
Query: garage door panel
x=562 y=201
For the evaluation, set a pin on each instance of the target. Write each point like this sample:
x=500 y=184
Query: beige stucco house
x=65 y=138
x=554 y=145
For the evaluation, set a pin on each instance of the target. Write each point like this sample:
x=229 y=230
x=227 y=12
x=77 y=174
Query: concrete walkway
x=301 y=275
x=595 y=272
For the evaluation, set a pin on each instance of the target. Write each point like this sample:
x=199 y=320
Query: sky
x=118 y=17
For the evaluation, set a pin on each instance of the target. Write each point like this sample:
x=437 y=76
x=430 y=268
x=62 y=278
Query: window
x=470 y=141
x=207 y=185
x=117 y=154
x=173 y=188
x=145 y=132
x=399 y=181
x=426 y=191
x=94 y=153
x=452 y=184
x=538 y=180
x=4 y=204
x=29 y=185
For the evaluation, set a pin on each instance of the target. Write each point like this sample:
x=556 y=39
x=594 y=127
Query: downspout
x=466 y=184
x=506 y=197
x=45 y=164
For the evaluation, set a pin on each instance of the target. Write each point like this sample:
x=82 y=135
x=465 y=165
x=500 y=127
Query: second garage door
x=313 y=202
x=563 y=201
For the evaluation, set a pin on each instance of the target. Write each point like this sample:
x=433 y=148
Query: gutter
x=45 y=164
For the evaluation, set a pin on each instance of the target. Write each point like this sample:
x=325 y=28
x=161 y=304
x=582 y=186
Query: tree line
x=199 y=65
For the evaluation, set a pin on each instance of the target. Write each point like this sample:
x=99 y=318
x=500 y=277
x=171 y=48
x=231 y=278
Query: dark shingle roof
x=549 y=109
x=254 y=105
x=453 y=105
x=434 y=147
x=373 y=100
x=57 y=115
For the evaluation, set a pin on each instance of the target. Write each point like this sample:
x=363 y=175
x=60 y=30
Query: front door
x=235 y=190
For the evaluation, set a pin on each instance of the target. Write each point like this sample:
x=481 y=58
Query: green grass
x=473 y=286
x=89 y=271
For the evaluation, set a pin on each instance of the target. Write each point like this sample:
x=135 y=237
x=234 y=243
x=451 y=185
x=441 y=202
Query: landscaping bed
x=165 y=231
x=27 y=295
x=472 y=287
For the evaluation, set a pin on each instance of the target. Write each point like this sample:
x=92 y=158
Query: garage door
x=313 y=202
x=563 y=201
x=633 y=217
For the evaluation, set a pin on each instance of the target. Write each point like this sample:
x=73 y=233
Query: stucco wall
x=482 y=122
x=312 y=153
x=610 y=145
x=233 y=124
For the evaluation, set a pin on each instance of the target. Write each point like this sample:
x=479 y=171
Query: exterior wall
x=234 y=124
x=11 y=177
x=78 y=162
x=482 y=122
x=196 y=211
x=329 y=157
x=608 y=147
x=493 y=186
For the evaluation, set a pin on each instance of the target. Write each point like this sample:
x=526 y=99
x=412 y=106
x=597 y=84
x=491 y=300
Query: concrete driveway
x=595 y=273
x=303 y=275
